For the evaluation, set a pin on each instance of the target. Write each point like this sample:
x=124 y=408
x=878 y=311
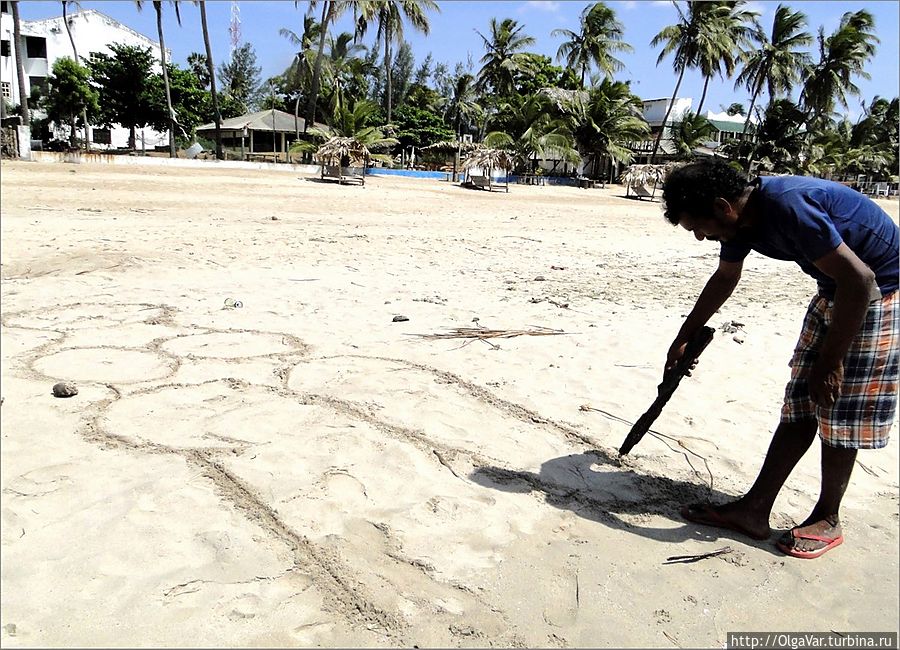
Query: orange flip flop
x=830 y=543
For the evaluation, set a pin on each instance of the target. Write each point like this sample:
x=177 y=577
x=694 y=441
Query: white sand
x=304 y=471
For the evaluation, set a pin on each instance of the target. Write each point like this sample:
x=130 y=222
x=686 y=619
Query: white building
x=655 y=110
x=45 y=41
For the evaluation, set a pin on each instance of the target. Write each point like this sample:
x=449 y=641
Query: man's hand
x=825 y=383
x=676 y=351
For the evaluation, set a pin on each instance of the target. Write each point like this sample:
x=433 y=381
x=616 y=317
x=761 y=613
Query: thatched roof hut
x=339 y=148
x=644 y=180
x=450 y=145
x=487 y=158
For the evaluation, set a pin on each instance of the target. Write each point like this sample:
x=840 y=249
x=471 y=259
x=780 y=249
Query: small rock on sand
x=65 y=389
x=400 y=319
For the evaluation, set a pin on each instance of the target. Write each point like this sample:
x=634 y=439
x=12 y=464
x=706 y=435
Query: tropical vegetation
x=577 y=111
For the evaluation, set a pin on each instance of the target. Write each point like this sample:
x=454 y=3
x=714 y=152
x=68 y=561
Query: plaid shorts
x=863 y=413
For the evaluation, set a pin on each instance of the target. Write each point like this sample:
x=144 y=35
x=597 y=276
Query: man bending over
x=844 y=370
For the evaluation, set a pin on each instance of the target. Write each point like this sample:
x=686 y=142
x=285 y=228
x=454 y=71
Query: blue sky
x=453 y=37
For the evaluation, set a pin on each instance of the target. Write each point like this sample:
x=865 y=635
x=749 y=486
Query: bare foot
x=732 y=516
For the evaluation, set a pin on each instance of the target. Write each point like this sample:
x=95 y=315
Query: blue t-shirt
x=802 y=219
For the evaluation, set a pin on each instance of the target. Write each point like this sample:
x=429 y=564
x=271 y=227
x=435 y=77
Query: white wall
x=92 y=31
x=655 y=110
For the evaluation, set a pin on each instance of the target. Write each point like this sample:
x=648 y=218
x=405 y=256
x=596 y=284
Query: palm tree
x=157 y=7
x=780 y=139
x=20 y=66
x=721 y=42
x=331 y=11
x=533 y=132
x=462 y=107
x=682 y=40
x=690 y=132
x=504 y=56
x=776 y=64
x=842 y=56
x=389 y=14
x=874 y=138
x=355 y=123
x=220 y=155
x=607 y=119
x=300 y=73
x=600 y=35
x=340 y=64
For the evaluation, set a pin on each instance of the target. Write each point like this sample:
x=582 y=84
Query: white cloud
x=758 y=7
x=550 y=6
x=628 y=5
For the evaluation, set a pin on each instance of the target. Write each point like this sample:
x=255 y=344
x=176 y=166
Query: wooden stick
x=687 y=559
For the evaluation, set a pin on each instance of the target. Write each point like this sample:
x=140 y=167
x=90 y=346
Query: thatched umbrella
x=338 y=148
x=639 y=177
x=456 y=146
x=486 y=158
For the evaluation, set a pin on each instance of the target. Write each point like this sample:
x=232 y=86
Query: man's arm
x=855 y=282
x=718 y=289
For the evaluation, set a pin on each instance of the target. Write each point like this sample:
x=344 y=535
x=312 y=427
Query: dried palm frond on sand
x=484 y=333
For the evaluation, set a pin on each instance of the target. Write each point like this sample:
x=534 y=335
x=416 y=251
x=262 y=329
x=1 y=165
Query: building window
x=101 y=136
x=39 y=85
x=4 y=48
x=7 y=90
x=36 y=47
x=4 y=7
x=93 y=57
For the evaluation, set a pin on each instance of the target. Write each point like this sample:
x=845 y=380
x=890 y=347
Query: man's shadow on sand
x=596 y=486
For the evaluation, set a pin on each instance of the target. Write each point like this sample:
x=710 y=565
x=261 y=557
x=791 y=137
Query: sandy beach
x=258 y=455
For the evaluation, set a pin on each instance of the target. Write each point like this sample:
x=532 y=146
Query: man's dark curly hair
x=693 y=188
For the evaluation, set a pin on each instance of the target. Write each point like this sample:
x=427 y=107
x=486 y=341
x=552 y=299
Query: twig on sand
x=483 y=334
x=867 y=470
x=671 y=638
x=526 y=238
x=687 y=559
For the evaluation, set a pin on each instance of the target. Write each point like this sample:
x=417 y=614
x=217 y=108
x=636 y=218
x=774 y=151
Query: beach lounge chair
x=482 y=182
x=350 y=177
x=639 y=190
x=336 y=173
x=331 y=173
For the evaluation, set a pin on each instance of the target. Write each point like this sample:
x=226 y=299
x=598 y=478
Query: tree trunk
x=132 y=138
x=20 y=66
x=703 y=96
x=317 y=67
x=666 y=118
x=387 y=69
x=157 y=4
x=750 y=111
x=65 y=6
x=220 y=155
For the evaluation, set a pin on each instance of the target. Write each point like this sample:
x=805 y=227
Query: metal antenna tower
x=235 y=28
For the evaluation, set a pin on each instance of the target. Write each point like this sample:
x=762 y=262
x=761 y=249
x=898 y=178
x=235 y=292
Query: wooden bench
x=483 y=182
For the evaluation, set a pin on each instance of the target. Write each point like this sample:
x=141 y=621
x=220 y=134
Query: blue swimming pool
x=443 y=176
x=409 y=173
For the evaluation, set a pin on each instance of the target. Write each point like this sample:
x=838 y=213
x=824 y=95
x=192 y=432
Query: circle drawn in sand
x=84 y=315
x=231 y=345
x=110 y=365
x=213 y=415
